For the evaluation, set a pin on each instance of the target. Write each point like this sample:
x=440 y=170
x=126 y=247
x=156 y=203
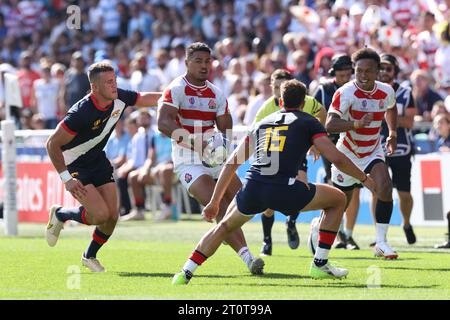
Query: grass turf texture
x=142 y=257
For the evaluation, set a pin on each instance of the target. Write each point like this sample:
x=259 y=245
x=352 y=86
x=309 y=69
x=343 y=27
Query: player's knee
x=101 y=215
x=384 y=190
x=113 y=215
x=341 y=199
x=224 y=227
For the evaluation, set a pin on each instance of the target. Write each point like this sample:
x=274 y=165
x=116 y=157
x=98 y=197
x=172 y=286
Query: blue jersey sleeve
x=74 y=121
x=316 y=129
x=128 y=96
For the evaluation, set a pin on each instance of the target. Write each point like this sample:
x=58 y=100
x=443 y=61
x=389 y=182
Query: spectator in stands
x=143 y=79
x=424 y=95
x=131 y=128
x=157 y=169
x=442 y=125
x=116 y=147
x=265 y=92
x=300 y=69
x=26 y=77
x=44 y=97
x=76 y=82
x=176 y=66
x=136 y=158
x=219 y=79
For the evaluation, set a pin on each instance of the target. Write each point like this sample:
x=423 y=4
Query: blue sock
x=98 y=239
x=75 y=214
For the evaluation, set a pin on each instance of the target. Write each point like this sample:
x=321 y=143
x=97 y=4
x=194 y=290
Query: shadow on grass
x=165 y=275
x=336 y=257
x=321 y=284
x=419 y=269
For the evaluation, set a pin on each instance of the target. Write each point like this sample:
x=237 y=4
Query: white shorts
x=343 y=180
x=188 y=173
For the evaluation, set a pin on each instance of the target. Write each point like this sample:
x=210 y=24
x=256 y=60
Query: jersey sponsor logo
x=340 y=178
x=191 y=100
x=212 y=104
x=74 y=174
x=381 y=104
x=96 y=124
x=187 y=177
x=115 y=113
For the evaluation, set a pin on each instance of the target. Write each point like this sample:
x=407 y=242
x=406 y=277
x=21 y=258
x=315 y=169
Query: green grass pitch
x=141 y=258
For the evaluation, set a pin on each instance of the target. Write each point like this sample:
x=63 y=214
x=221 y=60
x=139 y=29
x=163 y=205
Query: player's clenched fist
x=210 y=212
x=364 y=121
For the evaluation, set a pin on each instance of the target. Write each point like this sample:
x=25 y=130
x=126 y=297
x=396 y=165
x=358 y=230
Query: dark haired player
x=400 y=160
x=280 y=142
x=76 y=151
x=190 y=109
x=357 y=111
x=341 y=70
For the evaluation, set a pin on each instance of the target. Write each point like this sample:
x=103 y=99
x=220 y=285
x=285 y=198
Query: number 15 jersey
x=281 y=141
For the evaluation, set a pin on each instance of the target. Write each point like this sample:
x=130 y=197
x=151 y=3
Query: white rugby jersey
x=351 y=103
x=198 y=108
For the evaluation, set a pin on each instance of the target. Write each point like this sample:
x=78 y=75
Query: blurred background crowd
x=49 y=45
x=49 y=49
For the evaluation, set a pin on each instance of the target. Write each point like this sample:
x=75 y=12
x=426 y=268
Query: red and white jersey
x=351 y=103
x=404 y=10
x=198 y=107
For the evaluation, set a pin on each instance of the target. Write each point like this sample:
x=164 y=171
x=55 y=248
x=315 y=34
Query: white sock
x=190 y=266
x=246 y=255
x=321 y=254
x=348 y=232
x=381 y=231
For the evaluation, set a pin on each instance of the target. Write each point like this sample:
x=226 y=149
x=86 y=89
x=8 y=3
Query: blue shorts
x=255 y=197
x=100 y=173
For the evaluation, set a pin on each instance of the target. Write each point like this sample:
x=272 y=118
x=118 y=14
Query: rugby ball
x=215 y=153
x=313 y=238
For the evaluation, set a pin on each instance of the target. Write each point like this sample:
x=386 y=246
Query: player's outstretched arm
x=239 y=156
x=340 y=160
x=148 y=99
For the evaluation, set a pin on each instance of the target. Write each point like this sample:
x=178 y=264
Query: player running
x=189 y=110
x=400 y=160
x=280 y=142
x=270 y=106
x=357 y=111
x=76 y=151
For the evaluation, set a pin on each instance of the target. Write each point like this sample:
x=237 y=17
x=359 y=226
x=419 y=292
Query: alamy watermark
x=374 y=277
x=73 y=20
x=73 y=278
x=266 y=150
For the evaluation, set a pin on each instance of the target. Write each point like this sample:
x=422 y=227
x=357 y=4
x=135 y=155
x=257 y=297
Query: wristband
x=392 y=133
x=65 y=176
x=355 y=124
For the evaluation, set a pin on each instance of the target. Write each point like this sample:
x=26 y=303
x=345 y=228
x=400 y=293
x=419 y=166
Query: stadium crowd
x=49 y=48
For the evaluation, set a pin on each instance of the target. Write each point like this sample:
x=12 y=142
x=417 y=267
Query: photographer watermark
x=73 y=21
x=374 y=277
x=73 y=278
x=200 y=147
